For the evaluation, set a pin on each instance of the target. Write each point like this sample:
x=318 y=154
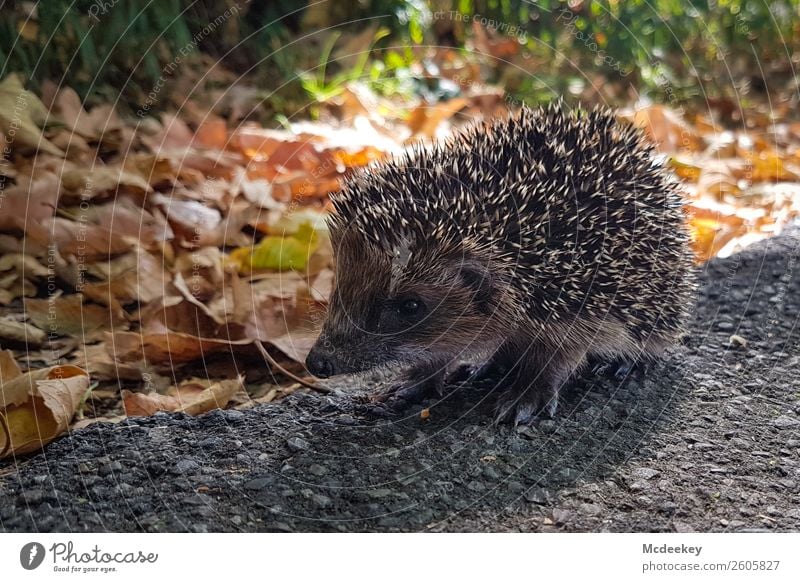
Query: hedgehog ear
x=477 y=277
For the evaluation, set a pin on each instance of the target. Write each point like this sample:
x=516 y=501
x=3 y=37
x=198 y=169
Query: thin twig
x=286 y=372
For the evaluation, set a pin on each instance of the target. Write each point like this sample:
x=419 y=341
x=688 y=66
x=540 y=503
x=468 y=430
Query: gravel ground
x=707 y=441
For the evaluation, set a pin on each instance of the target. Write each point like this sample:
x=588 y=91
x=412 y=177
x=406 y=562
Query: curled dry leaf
x=194 y=396
x=140 y=404
x=38 y=406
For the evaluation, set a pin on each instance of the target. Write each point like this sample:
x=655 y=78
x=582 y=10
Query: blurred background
x=723 y=53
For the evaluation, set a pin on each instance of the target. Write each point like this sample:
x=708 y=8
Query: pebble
x=476 y=486
x=490 y=472
x=644 y=473
x=234 y=416
x=537 y=495
x=547 y=426
x=590 y=509
x=32 y=496
x=297 y=444
x=561 y=516
x=514 y=486
x=321 y=501
x=185 y=466
x=785 y=421
x=379 y=493
x=259 y=483
x=109 y=468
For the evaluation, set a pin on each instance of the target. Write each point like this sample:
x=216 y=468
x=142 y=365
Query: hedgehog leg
x=535 y=385
x=417 y=383
x=491 y=368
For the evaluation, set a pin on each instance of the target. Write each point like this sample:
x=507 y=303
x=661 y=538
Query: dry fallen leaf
x=38 y=406
x=193 y=396
x=20 y=110
x=68 y=315
x=21 y=333
x=166 y=347
x=141 y=404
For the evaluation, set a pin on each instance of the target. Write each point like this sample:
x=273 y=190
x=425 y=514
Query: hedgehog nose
x=319 y=365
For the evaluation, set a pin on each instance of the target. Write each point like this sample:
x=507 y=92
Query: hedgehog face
x=394 y=307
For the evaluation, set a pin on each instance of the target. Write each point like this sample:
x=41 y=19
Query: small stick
x=286 y=372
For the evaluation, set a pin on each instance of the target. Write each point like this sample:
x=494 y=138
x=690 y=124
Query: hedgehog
x=530 y=244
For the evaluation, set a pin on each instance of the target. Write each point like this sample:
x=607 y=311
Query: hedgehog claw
x=521 y=409
x=619 y=369
x=525 y=415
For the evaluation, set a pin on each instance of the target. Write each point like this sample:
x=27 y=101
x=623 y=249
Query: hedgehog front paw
x=524 y=407
x=415 y=386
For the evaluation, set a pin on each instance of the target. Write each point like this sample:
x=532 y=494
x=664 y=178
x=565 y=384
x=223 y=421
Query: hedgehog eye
x=409 y=307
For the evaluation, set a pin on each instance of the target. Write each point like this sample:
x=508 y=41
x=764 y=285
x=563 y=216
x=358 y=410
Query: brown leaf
x=200 y=396
x=140 y=404
x=25 y=207
x=21 y=333
x=87 y=242
x=667 y=129
x=95 y=359
x=136 y=276
x=68 y=315
x=125 y=219
x=99 y=179
x=425 y=119
x=212 y=133
x=9 y=369
x=283 y=324
x=166 y=347
x=93 y=126
x=194 y=396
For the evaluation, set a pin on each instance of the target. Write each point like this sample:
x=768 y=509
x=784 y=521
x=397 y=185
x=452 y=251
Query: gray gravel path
x=707 y=441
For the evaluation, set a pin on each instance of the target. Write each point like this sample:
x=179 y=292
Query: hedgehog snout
x=320 y=364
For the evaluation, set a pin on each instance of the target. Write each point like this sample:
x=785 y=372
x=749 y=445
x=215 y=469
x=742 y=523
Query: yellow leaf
x=37 y=407
x=279 y=253
x=19 y=111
